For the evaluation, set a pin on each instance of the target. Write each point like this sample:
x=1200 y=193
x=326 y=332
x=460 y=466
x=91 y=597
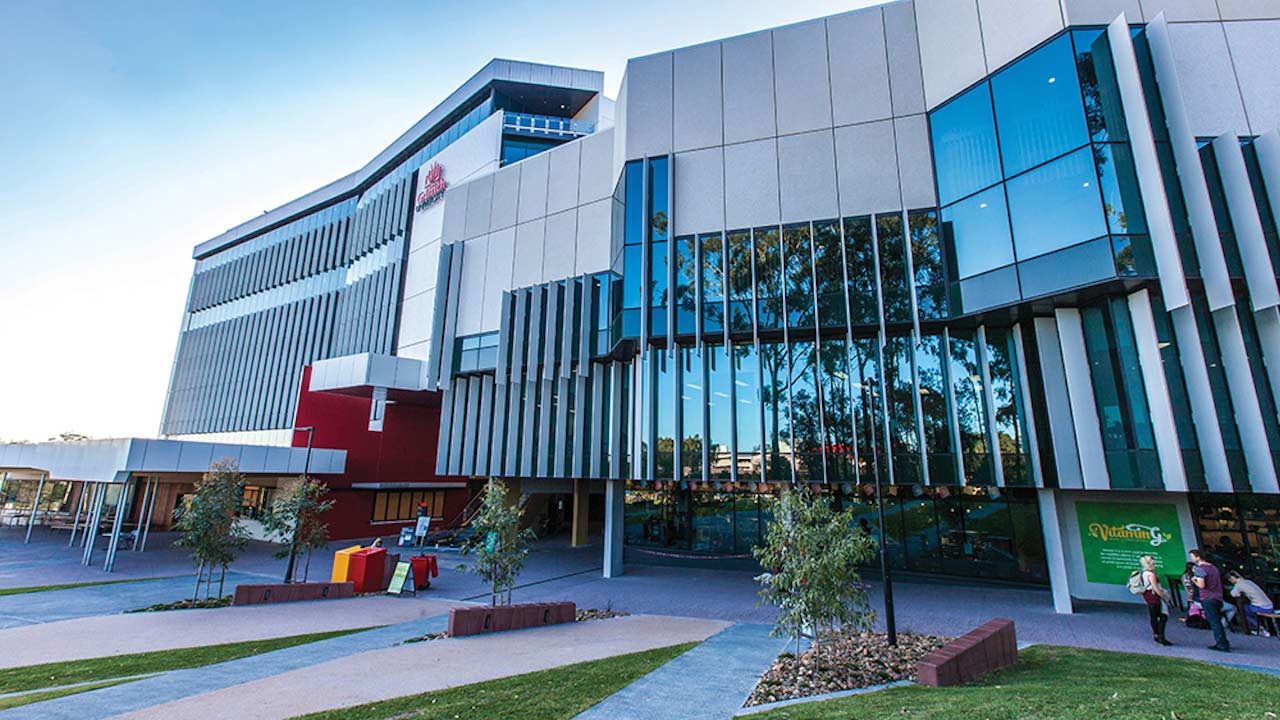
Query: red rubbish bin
x=425 y=567
x=366 y=569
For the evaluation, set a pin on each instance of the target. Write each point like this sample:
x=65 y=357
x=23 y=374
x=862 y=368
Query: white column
x=1244 y=396
x=1054 y=551
x=1259 y=274
x=1084 y=410
x=1204 y=410
x=1164 y=243
x=1062 y=433
x=1032 y=440
x=1160 y=407
x=989 y=399
x=614 y=515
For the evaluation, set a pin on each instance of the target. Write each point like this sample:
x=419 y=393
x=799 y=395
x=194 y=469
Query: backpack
x=1136 y=584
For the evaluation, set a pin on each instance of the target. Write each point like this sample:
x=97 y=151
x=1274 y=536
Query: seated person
x=1256 y=600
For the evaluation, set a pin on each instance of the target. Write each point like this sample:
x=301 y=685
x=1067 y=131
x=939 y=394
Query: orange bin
x=366 y=569
x=425 y=567
x=342 y=563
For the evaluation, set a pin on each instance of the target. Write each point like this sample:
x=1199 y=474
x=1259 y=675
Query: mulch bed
x=187 y=604
x=597 y=614
x=844 y=661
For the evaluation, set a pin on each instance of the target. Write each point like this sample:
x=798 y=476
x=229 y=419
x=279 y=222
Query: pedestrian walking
x=1157 y=599
x=1209 y=580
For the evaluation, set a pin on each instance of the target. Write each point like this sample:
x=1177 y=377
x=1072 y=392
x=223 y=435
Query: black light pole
x=886 y=577
x=306 y=473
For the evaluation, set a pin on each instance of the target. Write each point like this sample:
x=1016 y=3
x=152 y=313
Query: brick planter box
x=990 y=647
x=294 y=592
x=484 y=619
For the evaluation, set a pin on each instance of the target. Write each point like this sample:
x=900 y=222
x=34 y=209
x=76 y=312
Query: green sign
x=402 y=579
x=1115 y=535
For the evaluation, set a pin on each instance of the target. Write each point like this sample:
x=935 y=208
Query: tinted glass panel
x=837 y=410
x=747 y=420
x=895 y=293
x=664 y=414
x=777 y=422
x=860 y=256
x=971 y=408
x=806 y=415
x=719 y=411
x=741 y=281
x=686 y=285
x=796 y=247
x=658 y=280
x=977 y=233
x=1103 y=111
x=903 y=436
x=964 y=145
x=864 y=384
x=828 y=266
x=1056 y=206
x=712 y=248
x=1038 y=107
x=926 y=260
x=931 y=367
x=1121 y=199
x=691 y=404
x=768 y=279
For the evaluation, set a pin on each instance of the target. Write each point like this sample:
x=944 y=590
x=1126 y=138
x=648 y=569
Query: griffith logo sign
x=433 y=187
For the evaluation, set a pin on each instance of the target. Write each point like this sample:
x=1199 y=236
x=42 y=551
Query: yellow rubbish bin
x=342 y=563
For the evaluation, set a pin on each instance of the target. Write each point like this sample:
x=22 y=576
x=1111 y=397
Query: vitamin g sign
x=1113 y=536
x=432 y=187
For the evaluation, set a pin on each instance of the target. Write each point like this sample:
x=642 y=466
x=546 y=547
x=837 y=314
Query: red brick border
x=293 y=592
x=485 y=619
x=992 y=646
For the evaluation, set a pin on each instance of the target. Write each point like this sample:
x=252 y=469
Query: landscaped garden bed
x=843 y=661
x=188 y=604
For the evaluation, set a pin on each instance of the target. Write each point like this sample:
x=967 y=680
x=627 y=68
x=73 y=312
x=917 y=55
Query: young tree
x=499 y=545
x=295 y=519
x=208 y=526
x=811 y=554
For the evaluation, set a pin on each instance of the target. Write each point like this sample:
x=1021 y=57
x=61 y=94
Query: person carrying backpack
x=1146 y=582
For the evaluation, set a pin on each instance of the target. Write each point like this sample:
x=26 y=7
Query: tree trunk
x=199 y=571
x=222 y=578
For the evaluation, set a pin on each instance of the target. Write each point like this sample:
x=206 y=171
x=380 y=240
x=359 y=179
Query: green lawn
x=555 y=694
x=1058 y=683
x=53 y=675
x=13 y=701
x=66 y=586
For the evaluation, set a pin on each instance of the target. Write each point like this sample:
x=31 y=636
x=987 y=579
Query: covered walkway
x=107 y=490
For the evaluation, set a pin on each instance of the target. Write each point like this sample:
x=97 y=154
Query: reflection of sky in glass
x=1121 y=200
x=1056 y=206
x=979 y=229
x=964 y=145
x=1039 y=112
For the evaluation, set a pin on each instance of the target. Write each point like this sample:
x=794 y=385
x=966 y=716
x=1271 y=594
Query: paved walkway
x=118 y=634
x=424 y=667
x=179 y=684
x=710 y=682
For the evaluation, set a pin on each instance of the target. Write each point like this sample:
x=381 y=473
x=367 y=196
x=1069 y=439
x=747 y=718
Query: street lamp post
x=886 y=576
x=306 y=473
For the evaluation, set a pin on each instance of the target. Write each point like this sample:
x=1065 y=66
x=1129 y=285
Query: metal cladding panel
x=497 y=430
x=545 y=441
x=860 y=66
x=1150 y=363
x=1029 y=420
x=1155 y=202
x=1195 y=191
x=458 y=432
x=1204 y=411
x=1210 y=89
x=648 y=106
x=527 y=266
x=748 y=88
x=1058 y=404
x=951 y=55
x=1244 y=398
x=594 y=229
x=616 y=414
x=867 y=169
x=1012 y=27
x=515 y=411
x=506 y=196
x=801 y=78
x=503 y=368
x=915 y=161
x=562 y=181
x=446 y=431
x=561 y=427
x=1253 y=46
x=536 y=327
x=599 y=425
x=470 y=427
x=555 y=295
x=449 y=336
x=806 y=177
x=699 y=191
x=1267 y=323
x=526 y=447
x=1242 y=207
x=582 y=386
x=589 y=293
x=988 y=399
x=698 y=98
x=570 y=306
x=534 y=174
x=479 y=206
x=751 y=184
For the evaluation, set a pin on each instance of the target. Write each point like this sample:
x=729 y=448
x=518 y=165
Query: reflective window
x=903 y=435
x=719 y=412
x=658 y=274
x=895 y=293
x=796 y=248
x=777 y=421
x=1006 y=390
x=806 y=414
x=837 y=410
x=828 y=267
x=864 y=384
x=964 y=145
x=768 y=278
x=691 y=403
x=712 y=249
x=1056 y=206
x=686 y=285
x=741 y=284
x=664 y=420
x=746 y=399
x=931 y=368
x=1121 y=198
x=1221 y=394
x=658 y=199
x=1171 y=361
x=633 y=188
x=971 y=409
x=1038 y=107
x=1104 y=112
x=977 y=232
x=926 y=261
x=860 y=258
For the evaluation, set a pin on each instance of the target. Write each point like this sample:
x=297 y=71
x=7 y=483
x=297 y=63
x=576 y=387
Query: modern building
x=1015 y=261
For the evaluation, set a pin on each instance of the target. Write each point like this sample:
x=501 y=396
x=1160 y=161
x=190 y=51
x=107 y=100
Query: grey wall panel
x=616 y=414
x=470 y=298
x=915 y=161
x=807 y=176
x=699 y=191
x=497 y=276
x=502 y=370
x=903 y=45
x=1181 y=10
x=562 y=182
x=506 y=196
x=1204 y=67
x=867 y=168
x=748 y=88
x=450 y=332
x=534 y=174
x=458 y=430
x=479 y=206
x=454 y=227
x=859 y=66
x=527 y=267
x=470 y=427
x=1012 y=27
x=582 y=387
x=560 y=429
x=1248 y=9
x=559 y=245
x=698 y=99
x=751 y=183
x=528 y=439
x=600 y=426
x=594 y=223
x=498 y=430
x=484 y=427
x=1253 y=55
x=951 y=56
x=595 y=174
x=802 y=82
x=648 y=109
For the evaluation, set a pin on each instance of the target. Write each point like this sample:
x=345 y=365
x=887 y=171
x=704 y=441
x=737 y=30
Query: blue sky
x=131 y=131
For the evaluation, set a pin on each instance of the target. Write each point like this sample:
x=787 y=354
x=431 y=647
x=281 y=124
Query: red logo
x=433 y=187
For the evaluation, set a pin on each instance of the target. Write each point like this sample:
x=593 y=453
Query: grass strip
x=1060 y=683
x=13 y=701
x=68 y=586
x=51 y=675
x=554 y=694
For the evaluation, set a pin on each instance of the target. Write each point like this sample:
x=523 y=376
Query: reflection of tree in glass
x=768 y=279
x=773 y=393
x=926 y=259
x=860 y=256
